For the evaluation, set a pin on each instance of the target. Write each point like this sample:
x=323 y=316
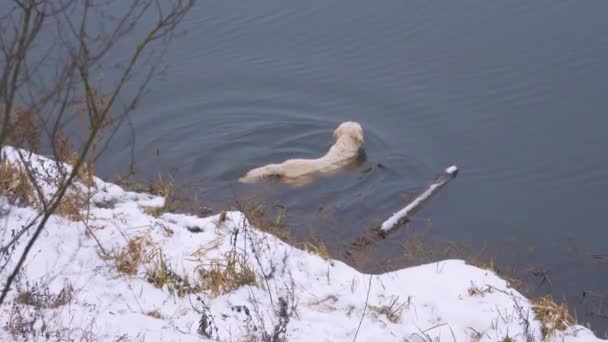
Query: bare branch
x=76 y=48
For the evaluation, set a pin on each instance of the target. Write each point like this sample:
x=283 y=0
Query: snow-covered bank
x=242 y=284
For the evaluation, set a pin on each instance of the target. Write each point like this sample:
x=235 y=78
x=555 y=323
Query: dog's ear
x=358 y=136
x=337 y=132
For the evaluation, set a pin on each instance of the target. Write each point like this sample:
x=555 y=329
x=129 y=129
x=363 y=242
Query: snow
x=319 y=300
x=451 y=170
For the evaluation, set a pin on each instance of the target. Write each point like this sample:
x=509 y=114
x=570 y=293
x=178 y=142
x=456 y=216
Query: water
x=514 y=93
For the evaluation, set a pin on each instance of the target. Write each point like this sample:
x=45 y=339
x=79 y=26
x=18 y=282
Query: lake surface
x=514 y=93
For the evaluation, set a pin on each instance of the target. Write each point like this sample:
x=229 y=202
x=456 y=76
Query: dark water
x=515 y=93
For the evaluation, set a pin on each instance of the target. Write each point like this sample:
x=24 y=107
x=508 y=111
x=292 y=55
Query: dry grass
x=39 y=296
x=507 y=275
x=15 y=184
x=507 y=339
x=25 y=324
x=552 y=316
x=222 y=219
x=154 y=313
x=26 y=127
x=392 y=310
x=267 y=218
x=218 y=277
x=163 y=187
x=221 y=276
x=178 y=198
x=37 y=314
x=154 y=211
x=61 y=145
x=17 y=188
x=86 y=171
x=227 y=274
x=201 y=253
x=20 y=324
x=326 y=304
x=161 y=275
x=139 y=250
x=318 y=248
x=479 y=291
x=86 y=174
x=71 y=205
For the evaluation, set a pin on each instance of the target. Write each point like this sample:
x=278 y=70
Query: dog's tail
x=260 y=173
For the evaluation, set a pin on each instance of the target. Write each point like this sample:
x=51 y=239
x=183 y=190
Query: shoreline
x=166 y=276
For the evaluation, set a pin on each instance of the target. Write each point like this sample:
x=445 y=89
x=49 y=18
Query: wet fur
x=348 y=140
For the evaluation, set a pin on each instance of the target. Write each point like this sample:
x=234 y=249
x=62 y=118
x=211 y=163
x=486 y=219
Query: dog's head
x=350 y=129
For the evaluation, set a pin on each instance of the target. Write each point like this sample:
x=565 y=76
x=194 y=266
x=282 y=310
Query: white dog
x=348 y=140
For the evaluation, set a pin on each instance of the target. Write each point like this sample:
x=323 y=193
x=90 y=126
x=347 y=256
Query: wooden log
x=379 y=233
x=404 y=214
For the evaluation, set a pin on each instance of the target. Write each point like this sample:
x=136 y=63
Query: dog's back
x=349 y=138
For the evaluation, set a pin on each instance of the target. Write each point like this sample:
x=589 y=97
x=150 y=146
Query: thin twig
x=81 y=62
x=369 y=286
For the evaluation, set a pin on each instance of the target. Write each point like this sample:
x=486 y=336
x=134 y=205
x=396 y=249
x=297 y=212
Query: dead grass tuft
x=161 y=275
x=15 y=184
x=163 y=187
x=86 y=174
x=227 y=274
x=552 y=316
x=479 y=291
x=26 y=127
x=40 y=297
x=220 y=276
x=269 y=219
x=222 y=219
x=178 y=198
x=154 y=313
x=392 y=310
x=507 y=339
x=154 y=211
x=86 y=171
x=318 y=248
x=28 y=318
x=61 y=145
x=71 y=205
x=140 y=250
x=27 y=324
x=201 y=253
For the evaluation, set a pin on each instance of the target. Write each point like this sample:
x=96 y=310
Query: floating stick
x=405 y=213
